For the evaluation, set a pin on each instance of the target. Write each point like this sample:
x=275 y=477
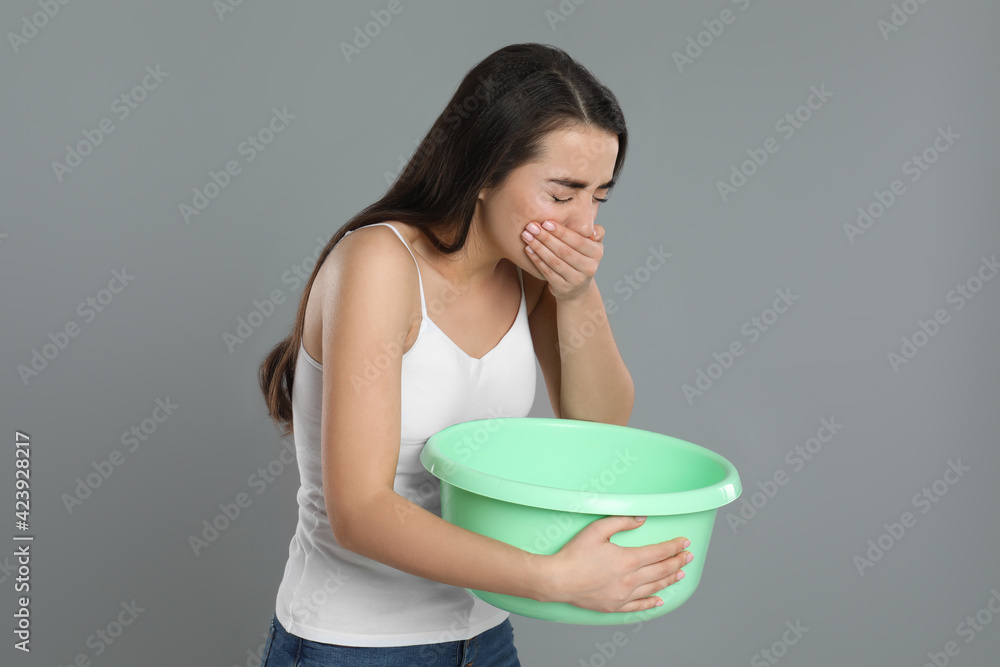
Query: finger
x=559 y=272
x=570 y=265
x=571 y=239
x=660 y=587
x=641 y=604
x=607 y=526
x=547 y=272
x=600 y=531
x=664 y=570
x=651 y=554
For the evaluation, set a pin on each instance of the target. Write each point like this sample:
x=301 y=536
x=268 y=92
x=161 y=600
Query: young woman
x=428 y=309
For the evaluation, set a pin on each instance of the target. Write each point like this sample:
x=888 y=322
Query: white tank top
x=331 y=595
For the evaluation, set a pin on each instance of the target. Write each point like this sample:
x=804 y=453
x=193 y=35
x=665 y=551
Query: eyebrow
x=579 y=185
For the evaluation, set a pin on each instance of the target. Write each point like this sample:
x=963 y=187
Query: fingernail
x=659 y=603
x=687 y=543
x=640 y=518
x=680 y=575
x=548 y=225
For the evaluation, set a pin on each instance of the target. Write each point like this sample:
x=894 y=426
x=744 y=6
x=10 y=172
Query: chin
x=533 y=270
x=538 y=274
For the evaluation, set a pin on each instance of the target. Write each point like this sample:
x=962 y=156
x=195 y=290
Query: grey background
x=826 y=357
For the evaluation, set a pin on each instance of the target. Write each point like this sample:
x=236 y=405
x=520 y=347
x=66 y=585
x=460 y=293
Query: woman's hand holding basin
x=594 y=573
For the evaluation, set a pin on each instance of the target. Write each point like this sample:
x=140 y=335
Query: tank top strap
x=420 y=281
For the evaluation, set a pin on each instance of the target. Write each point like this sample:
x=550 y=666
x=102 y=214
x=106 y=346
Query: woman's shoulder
x=366 y=269
x=368 y=253
x=370 y=242
x=382 y=228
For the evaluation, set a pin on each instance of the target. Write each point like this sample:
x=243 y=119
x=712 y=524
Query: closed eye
x=563 y=201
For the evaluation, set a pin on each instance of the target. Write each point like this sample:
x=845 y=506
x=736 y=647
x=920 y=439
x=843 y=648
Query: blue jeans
x=492 y=648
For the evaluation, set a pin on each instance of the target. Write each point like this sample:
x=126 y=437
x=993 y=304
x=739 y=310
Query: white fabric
x=331 y=595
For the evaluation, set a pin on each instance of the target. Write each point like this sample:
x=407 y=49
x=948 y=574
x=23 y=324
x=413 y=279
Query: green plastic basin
x=536 y=482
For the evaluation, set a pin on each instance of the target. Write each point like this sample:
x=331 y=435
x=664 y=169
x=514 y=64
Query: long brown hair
x=495 y=122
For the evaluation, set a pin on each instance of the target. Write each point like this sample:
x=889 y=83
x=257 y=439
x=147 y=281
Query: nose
x=581 y=224
x=582 y=221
